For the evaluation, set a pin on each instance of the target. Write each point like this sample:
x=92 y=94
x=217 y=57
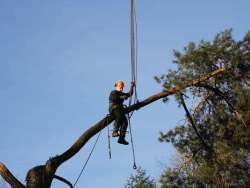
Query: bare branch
x=63 y=180
x=192 y=123
x=224 y=97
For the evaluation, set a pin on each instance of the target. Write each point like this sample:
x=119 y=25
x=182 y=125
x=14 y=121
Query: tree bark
x=9 y=177
x=42 y=176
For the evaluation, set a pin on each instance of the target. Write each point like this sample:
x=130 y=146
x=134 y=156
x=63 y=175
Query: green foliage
x=140 y=180
x=221 y=114
x=172 y=178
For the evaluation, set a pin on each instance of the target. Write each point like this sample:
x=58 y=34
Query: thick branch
x=9 y=177
x=84 y=139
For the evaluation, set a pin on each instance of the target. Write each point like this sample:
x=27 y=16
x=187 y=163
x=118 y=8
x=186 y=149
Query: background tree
x=215 y=139
x=140 y=180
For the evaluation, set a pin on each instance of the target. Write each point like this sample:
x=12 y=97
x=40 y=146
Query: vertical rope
x=132 y=143
x=133 y=49
x=133 y=41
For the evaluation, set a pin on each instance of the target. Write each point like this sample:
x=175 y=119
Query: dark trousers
x=121 y=122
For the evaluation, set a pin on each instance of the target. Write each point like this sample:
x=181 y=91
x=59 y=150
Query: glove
x=132 y=84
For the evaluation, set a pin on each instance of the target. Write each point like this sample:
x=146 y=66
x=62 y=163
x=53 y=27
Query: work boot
x=115 y=133
x=122 y=141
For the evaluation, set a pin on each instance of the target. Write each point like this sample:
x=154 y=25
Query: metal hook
x=134 y=166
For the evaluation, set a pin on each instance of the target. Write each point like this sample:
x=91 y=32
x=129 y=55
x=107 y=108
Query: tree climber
x=116 y=110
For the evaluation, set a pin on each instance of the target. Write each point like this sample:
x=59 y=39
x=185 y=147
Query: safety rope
x=133 y=42
x=133 y=33
x=132 y=144
x=86 y=162
x=109 y=144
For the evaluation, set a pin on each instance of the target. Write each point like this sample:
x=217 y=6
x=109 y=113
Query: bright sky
x=59 y=61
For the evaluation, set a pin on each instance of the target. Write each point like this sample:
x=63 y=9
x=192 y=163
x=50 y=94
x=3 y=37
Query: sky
x=58 y=63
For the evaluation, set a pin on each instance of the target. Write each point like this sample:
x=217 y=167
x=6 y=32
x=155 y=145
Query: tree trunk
x=42 y=176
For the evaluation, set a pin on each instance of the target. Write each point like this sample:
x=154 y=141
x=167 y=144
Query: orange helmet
x=118 y=82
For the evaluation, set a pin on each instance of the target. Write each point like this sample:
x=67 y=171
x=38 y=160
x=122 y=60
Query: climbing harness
x=86 y=162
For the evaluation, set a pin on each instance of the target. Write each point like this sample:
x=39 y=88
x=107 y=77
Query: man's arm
x=125 y=96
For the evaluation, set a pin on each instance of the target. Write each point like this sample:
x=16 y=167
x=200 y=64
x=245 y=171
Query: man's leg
x=117 y=113
x=115 y=126
x=123 y=130
x=115 y=132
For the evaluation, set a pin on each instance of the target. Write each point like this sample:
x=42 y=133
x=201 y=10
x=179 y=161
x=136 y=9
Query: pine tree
x=140 y=180
x=215 y=139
